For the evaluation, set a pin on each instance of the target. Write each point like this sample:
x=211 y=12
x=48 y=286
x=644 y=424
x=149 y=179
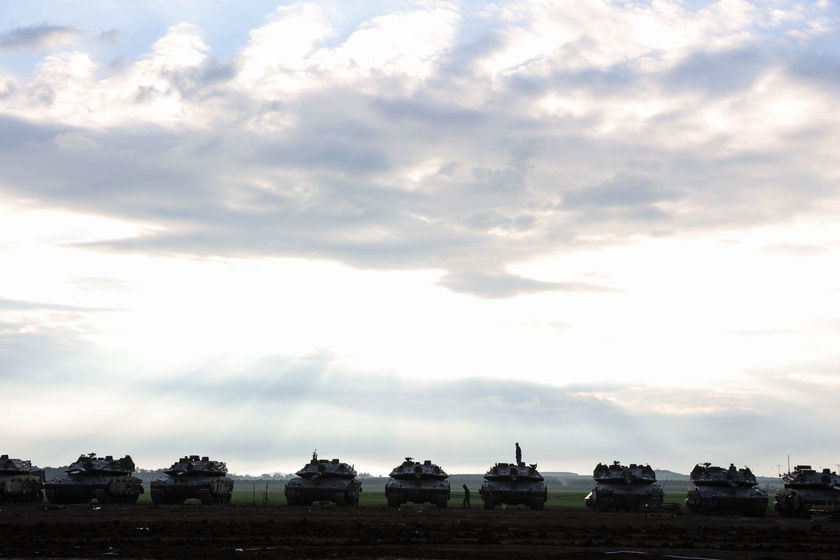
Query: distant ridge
x=670 y=475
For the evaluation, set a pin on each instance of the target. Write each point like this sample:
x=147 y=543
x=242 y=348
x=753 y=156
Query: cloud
x=39 y=37
x=277 y=410
x=110 y=36
x=18 y=305
x=621 y=191
x=41 y=341
x=495 y=285
x=719 y=74
x=34 y=354
x=428 y=152
x=266 y=253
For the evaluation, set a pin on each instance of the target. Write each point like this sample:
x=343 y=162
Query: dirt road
x=279 y=531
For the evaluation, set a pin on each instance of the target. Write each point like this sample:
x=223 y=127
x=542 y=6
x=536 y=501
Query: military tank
x=192 y=477
x=715 y=490
x=804 y=489
x=105 y=479
x=621 y=488
x=417 y=483
x=19 y=482
x=323 y=480
x=513 y=484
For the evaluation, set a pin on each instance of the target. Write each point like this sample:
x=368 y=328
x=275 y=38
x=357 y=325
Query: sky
x=605 y=230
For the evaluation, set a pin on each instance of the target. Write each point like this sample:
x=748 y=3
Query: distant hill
x=670 y=475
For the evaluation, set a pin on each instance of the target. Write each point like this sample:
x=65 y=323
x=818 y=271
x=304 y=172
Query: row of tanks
x=717 y=490
x=110 y=481
x=713 y=490
x=416 y=482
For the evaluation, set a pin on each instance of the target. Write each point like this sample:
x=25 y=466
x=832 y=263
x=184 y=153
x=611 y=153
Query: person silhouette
x=518 y=455
x=466 y=497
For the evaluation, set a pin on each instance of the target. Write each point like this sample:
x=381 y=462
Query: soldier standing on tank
x=518 y=455
x=466 y=497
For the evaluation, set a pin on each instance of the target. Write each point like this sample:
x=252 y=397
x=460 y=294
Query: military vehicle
x=322 y=480
x=417 y=483
x=513 y=484
x=192 y=477
x=806 y=488
x=105 y=479
x=620 y=488
x=19 y=482
x=716 y=490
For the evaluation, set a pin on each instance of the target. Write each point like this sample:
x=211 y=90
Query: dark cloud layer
x=349 y=179
x=39 y=36
x=719 y=73
x=556 y=425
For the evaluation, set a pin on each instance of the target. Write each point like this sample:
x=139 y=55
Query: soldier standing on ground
x=518 y=455
x=466 y=497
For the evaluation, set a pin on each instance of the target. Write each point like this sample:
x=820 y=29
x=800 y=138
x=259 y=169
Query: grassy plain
x=556 y=498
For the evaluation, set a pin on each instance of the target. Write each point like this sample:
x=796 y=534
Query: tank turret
x=193 y=477
x=513 y=484
x=623 y=488
x=105 y=479
x=806 y=488
x=418 y=483
x=322 y=480
x=20 y=483
x=716 y=490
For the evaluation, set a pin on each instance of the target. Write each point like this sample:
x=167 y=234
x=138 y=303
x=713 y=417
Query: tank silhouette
x=105 y=479
x=513 y=484
x=716 y=490
x=19 y=482
x=620 y=488
x=192 y=477
x=322 y=480
x=804 y=489
x=417 y=483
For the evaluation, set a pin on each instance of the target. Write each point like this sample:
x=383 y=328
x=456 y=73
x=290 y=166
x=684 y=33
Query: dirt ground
x=413 y=531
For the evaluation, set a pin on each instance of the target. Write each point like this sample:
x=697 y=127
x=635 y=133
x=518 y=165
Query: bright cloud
x=530 y=211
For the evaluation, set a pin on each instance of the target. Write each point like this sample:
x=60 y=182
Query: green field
x=256 y=495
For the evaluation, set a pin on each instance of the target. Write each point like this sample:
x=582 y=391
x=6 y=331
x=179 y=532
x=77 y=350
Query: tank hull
x=623 y=497
x=104 y=479
x=720 y=500
x=21 y=489
x=806 y=488
x=399 y=492
x=81 y=489
x=797 y=502
x=513 y=492
x=306 y=491
x=20 y=483
x=210 y=490
x=513 y=484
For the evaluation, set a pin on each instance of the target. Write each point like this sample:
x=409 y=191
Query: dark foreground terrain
x=278 y=531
